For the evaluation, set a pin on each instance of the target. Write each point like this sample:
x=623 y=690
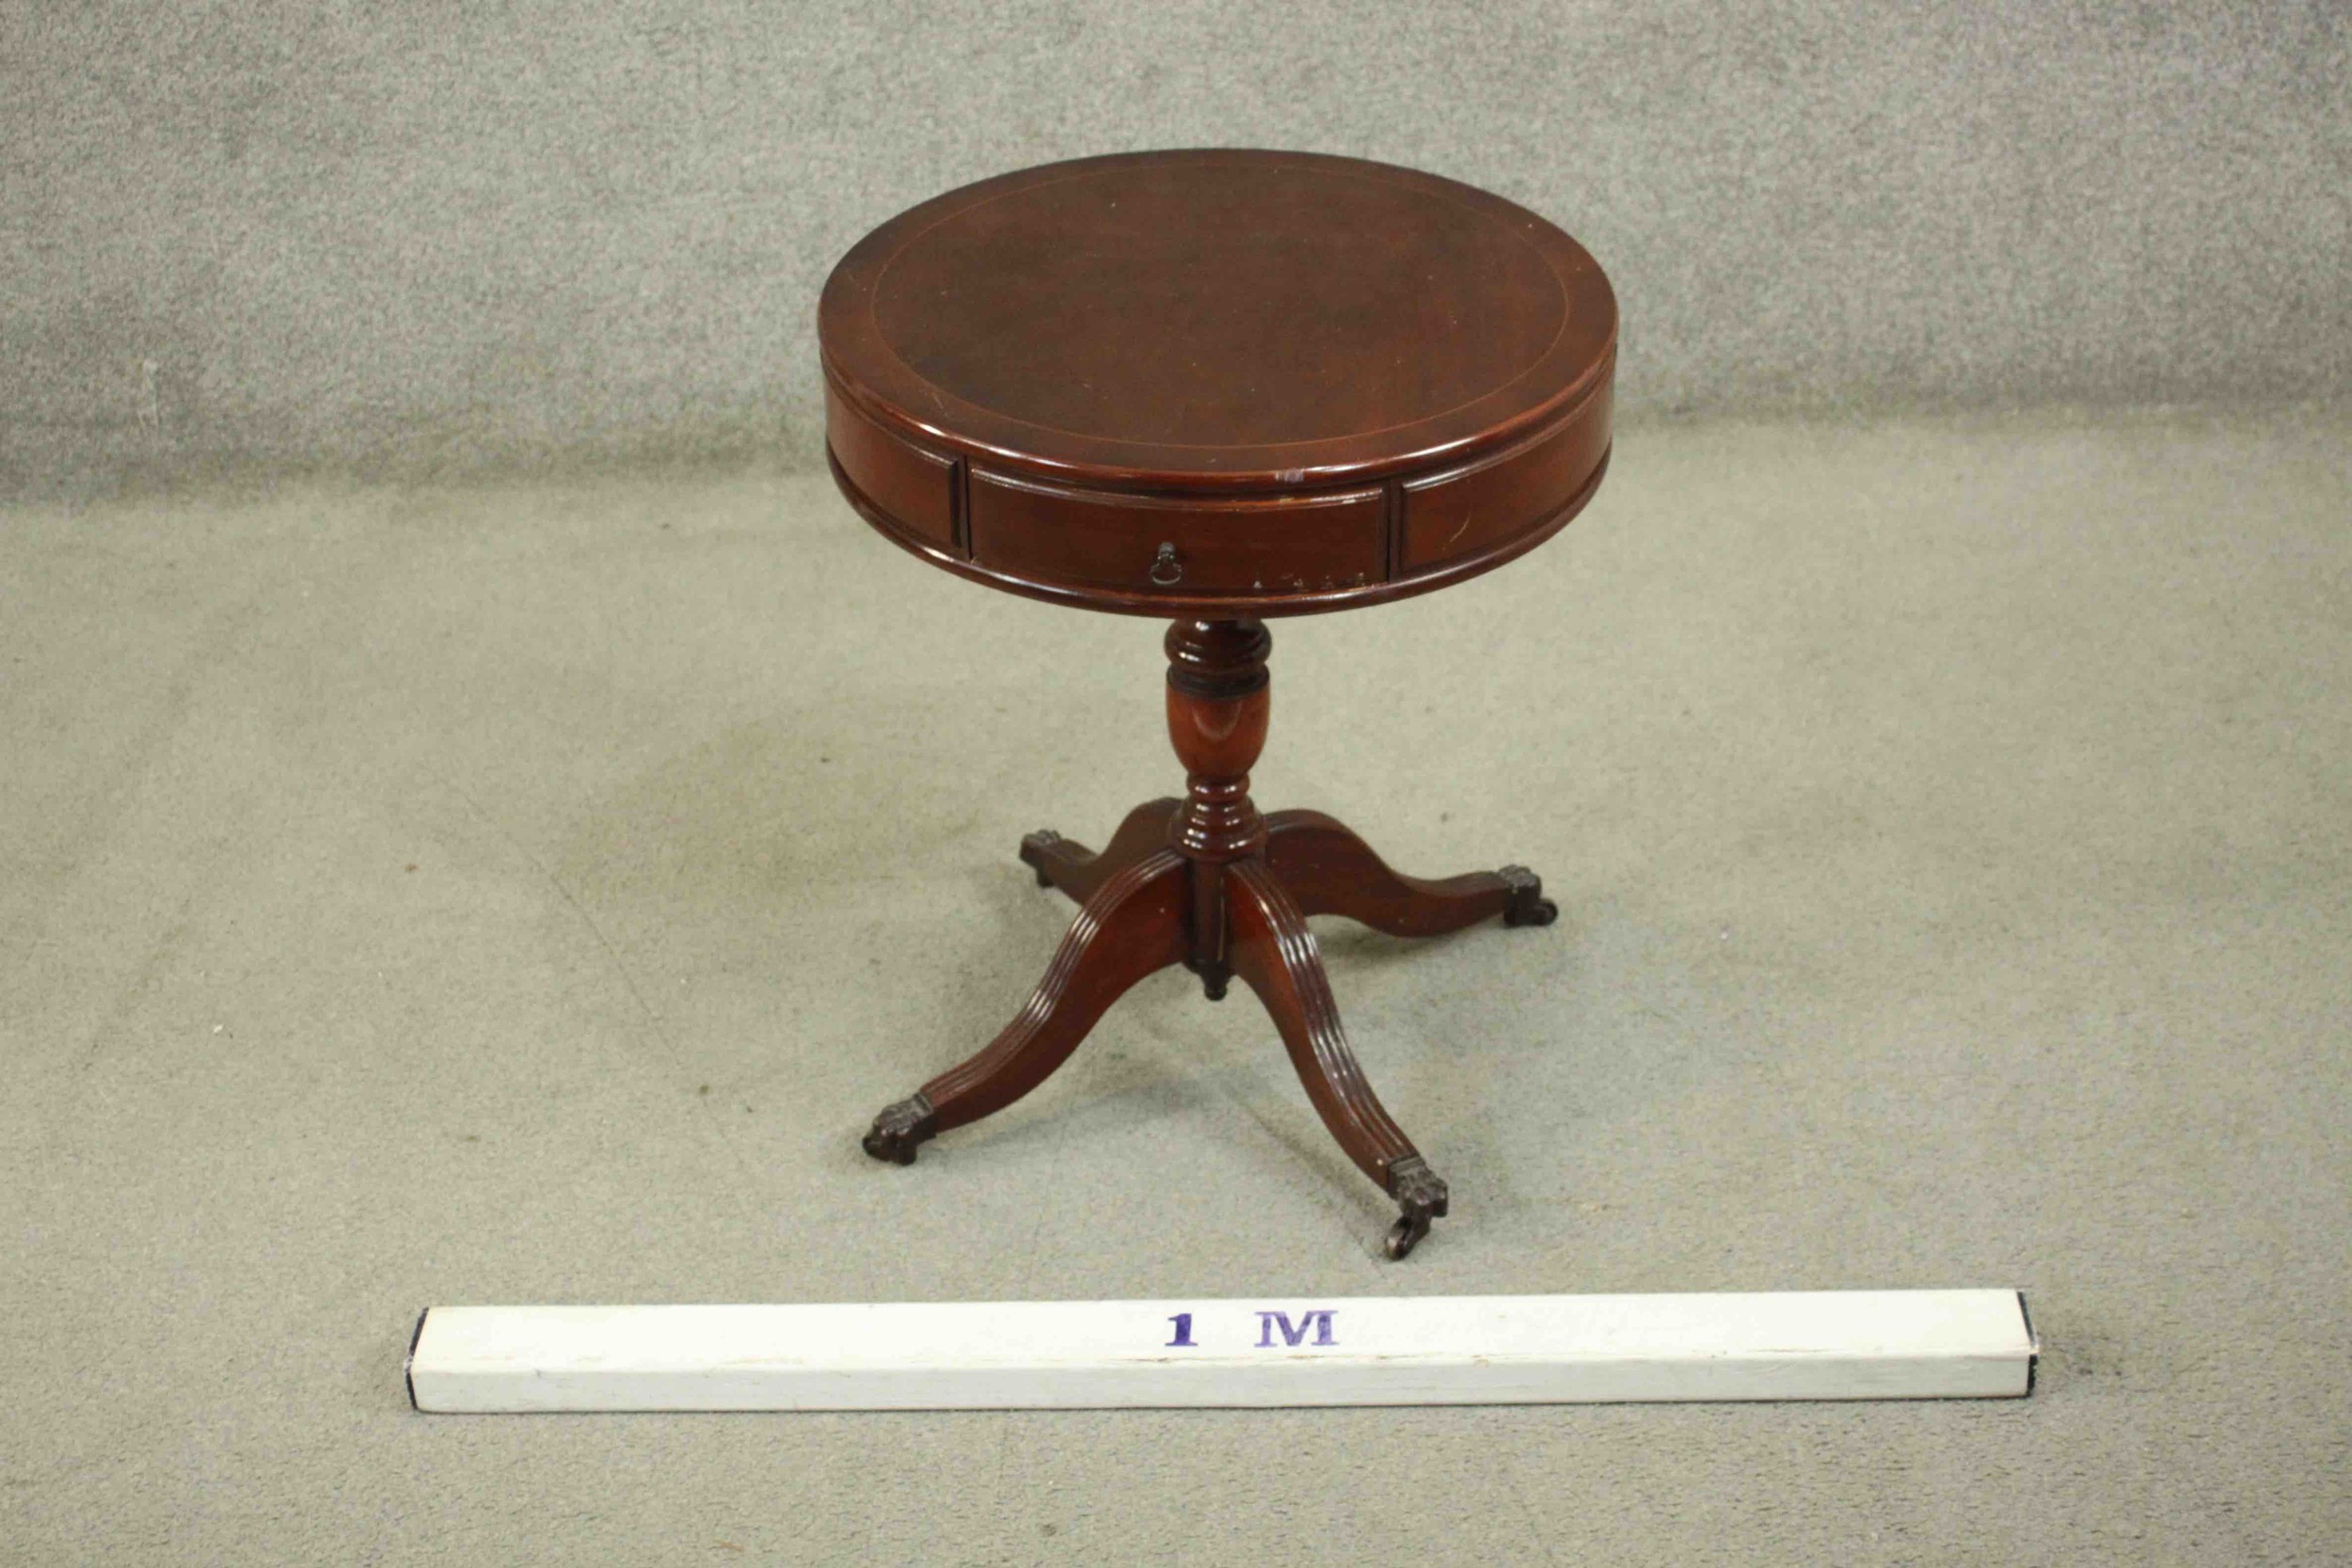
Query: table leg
x=1131 y=927
x=1329 y=870
x=1078 y=871
x=1274 y=954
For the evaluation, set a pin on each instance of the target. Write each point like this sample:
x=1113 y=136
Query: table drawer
x=915 y=487
x=1053 y=533
x=1473 y=510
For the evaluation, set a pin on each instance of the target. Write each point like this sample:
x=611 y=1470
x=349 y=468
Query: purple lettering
x=1319 y=1319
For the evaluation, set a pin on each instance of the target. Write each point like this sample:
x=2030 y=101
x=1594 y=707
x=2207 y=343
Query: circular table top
x=1223 y=383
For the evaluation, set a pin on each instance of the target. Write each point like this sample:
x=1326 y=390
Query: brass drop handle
x=1166 y=568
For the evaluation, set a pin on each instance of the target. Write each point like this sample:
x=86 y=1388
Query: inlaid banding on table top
x=1214 y=319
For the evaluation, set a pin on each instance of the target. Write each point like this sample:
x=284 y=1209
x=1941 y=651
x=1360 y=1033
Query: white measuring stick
x=1261 y=1350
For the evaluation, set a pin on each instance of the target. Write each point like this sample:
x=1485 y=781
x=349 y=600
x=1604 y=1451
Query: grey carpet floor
x=528 y=894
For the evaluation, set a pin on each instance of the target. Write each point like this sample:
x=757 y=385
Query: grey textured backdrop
x=433 y=236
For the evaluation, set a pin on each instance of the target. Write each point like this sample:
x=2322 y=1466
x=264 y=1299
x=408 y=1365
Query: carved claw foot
x=1420 y=1191
x=1526 y=905
x=901 y=1129
x=1034 y=849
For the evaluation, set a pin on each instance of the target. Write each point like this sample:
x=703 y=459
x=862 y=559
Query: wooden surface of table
x=1219 y=383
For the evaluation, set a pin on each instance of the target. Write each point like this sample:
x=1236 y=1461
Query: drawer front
x=1050 y=533
x=915 y=486
x=1472 y=510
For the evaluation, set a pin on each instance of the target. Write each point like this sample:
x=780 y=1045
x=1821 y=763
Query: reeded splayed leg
x=1328 y=869
x=1078 y=871
x=1332 y=870
x=1274 y=952
x=1131 y=927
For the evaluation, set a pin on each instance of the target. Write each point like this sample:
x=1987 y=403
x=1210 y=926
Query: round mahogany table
x=1219 y=386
